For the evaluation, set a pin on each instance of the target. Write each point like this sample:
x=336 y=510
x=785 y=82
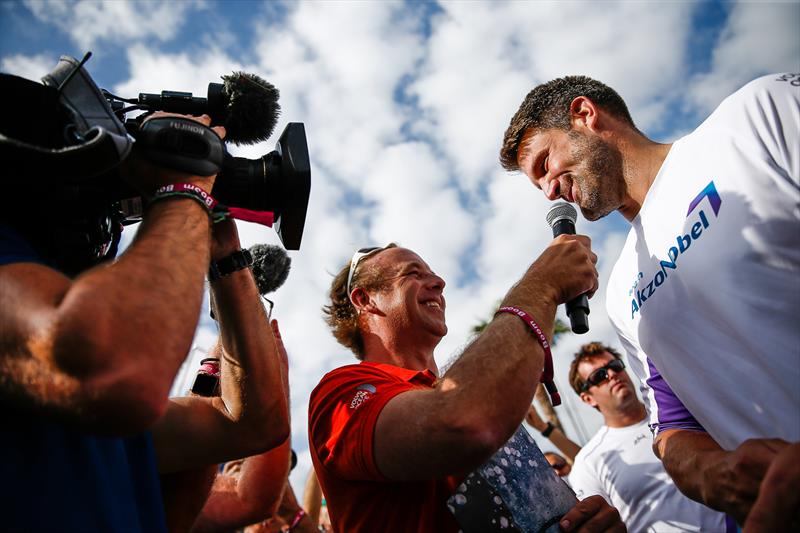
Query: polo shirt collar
x=424 y=377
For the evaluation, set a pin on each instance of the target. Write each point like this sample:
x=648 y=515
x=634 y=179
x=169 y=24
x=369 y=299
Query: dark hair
x=547 y=107
x=340 y=313
x=587 y=351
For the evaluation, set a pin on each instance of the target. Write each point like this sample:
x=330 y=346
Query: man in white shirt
x=705 y=295
x=618 y=462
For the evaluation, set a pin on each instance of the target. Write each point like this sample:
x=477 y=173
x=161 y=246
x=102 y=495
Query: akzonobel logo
x=641 y=292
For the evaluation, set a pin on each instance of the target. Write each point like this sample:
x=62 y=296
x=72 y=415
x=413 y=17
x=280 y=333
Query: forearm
x=312 y=496
x=564 y=444
x=252 y=387
x=503 y=365
x=75 y=348
x=156 y=286
x=689 y=457
x=251 y=496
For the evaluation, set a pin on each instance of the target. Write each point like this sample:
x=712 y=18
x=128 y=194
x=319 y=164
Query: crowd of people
x=705 y=297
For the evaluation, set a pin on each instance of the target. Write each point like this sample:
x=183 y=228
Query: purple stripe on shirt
x=672 y=414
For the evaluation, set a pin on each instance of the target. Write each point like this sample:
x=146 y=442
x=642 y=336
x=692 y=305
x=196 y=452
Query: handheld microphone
x=245 y=104
x=271 y=267
x=561 y=218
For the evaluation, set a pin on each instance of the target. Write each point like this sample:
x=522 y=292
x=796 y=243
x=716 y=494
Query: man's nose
x=435 y=282
x=551 y=188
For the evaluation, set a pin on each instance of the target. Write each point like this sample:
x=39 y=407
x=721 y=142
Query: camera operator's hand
x=146 y=176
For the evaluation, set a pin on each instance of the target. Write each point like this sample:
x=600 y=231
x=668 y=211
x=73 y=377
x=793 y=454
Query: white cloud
x=760 y=38
x=483 y=58
x=89 y=21
x=30 y=67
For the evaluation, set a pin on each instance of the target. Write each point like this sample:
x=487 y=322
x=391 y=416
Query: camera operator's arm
x=101 y=350
x=251 y=414
x=479 y=403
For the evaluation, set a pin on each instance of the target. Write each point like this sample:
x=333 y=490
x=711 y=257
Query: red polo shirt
x=342 y=414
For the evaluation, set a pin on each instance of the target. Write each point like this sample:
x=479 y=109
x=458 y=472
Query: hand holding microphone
x=561 y=218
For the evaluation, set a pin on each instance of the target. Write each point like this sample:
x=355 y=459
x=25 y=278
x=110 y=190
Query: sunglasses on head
x=356 y=259
x=601 y=374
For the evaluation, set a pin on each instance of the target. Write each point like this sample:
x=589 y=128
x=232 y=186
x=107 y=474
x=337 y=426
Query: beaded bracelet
x=547 y=373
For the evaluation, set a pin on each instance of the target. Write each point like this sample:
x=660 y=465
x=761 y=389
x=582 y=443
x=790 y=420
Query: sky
x=404 y=106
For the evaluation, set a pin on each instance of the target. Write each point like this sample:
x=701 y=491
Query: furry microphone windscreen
x=253 y=108
x=271 y=267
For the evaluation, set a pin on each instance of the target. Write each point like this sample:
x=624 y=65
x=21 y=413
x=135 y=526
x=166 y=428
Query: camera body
x=68 y=138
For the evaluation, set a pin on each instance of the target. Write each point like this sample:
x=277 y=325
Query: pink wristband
x=297 y=517
x=547 y=373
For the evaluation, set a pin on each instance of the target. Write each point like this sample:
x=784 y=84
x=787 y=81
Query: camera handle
x=181 y=144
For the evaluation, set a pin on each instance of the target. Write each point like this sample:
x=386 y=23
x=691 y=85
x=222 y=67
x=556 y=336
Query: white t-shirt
x=619 y=465
x=708 y=283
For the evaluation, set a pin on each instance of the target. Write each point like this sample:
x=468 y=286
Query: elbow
x=261 y=434
x=123 y=404
x=478 y=441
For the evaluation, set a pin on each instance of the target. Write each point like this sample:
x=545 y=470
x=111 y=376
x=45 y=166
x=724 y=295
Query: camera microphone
x=271 y=267
x=561 y=218
x=245 y=104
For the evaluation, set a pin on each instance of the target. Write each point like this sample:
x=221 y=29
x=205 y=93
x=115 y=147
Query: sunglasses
x=601 y=374
x=357 y=257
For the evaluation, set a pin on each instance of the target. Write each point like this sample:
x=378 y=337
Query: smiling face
x=578 y=167
x=411 y=297
x=615 y=394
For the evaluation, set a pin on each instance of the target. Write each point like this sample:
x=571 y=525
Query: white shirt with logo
x=708 y=283
x=619 y=465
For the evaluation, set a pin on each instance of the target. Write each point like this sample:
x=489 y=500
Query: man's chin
x=593 y=214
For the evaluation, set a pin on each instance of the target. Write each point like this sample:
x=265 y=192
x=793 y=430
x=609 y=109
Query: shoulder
x=347 y=384
x=768 y=100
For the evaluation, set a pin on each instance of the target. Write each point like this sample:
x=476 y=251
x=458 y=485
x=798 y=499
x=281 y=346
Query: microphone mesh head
x=270 y=267
x=561 y=211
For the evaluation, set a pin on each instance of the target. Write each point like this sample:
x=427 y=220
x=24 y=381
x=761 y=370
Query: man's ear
x=588 y=399
x=584 y=114
x=361 y=300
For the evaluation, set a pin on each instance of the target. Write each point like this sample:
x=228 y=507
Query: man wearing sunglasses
x=390 y=438
x=618 y=462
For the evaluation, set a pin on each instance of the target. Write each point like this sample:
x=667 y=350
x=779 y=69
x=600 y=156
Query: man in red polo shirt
x=390 y=440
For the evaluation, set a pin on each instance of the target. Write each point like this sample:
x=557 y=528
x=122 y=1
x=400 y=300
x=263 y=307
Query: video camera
x=65 y=139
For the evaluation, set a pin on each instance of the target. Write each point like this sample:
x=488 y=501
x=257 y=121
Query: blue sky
x=405 y=105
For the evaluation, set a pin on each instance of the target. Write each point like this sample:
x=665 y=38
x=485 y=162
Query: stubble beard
x=600 y=182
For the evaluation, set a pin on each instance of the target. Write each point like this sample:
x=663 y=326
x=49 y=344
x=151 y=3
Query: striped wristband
x=188 y=190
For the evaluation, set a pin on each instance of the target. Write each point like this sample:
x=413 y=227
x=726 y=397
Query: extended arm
x=75 y=348
x=480 y=402
x=557 y=437
x=312 y=496
x=251 y=415
x=727 y=481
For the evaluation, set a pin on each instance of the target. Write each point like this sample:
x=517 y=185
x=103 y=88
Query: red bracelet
x=547 y=373
x=296 y=520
